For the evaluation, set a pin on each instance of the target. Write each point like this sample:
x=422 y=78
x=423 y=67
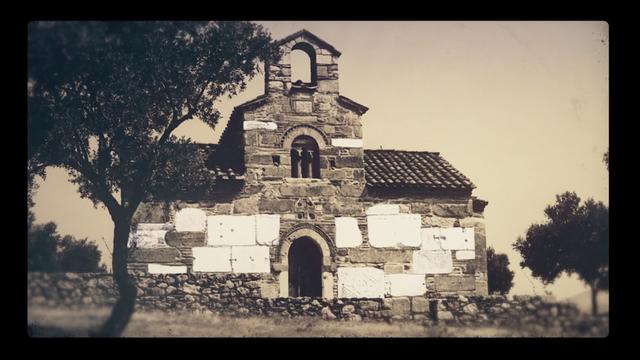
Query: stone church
x=298 y=201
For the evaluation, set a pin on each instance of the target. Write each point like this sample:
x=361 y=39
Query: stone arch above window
x=308 y=130
x=305 y=157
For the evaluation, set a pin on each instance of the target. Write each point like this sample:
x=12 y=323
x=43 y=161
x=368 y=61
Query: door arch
x=306 y=235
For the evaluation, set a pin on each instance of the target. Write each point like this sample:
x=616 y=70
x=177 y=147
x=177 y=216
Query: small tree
x=500 y=278
x=105 y=97
x=47 y=251
x=573 y=240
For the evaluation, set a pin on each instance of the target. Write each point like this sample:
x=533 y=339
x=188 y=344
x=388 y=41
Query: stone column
x=299 y=160
x=309 y=164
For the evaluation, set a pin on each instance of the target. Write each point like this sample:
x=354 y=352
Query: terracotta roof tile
x=412 y=169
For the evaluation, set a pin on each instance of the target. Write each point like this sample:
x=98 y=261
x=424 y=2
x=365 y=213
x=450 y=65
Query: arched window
x=305 y=158
x=303 y=65
x=300 y=66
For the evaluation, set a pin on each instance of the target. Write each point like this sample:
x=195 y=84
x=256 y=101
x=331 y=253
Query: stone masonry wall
x=240 y=295
x=467 y=276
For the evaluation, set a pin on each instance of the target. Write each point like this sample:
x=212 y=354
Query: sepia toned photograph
x=318 y=179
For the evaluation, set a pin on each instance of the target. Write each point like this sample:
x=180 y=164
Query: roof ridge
x=409 y=151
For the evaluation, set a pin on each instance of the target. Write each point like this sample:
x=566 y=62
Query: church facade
x=299 y=201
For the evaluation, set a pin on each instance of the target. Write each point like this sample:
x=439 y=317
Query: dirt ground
x=48 y=322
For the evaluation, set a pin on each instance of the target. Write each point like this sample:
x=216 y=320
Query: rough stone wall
x=245 y=295
x=466 y=275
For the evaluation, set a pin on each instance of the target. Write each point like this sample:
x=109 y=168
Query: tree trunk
x=123 y=309
x=594 y=300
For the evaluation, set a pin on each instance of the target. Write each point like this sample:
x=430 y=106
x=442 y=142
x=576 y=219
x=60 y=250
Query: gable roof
x=305 y=33
x=412 y=169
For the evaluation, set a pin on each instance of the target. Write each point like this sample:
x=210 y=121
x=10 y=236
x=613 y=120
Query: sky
x=521 y=108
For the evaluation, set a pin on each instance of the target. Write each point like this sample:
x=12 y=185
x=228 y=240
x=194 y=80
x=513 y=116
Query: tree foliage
x=573 y=240
x=105 y=97
x=500 y=278
x=48 y=251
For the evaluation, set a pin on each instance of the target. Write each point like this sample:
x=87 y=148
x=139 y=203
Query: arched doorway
x=303 y=233
x=305 y=268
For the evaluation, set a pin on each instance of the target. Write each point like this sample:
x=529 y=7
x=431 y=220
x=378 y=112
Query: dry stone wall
x=246 y=294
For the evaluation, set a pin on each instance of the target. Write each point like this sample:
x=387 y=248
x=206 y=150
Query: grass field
x=78 y=323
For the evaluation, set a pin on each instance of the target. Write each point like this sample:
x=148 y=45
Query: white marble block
x=149 y=235
x=405 y=284
x=361 y=282
x=267 y=229
x=384 y=209
x=250 y=259
x=212 y=259
x=231 y=230
x=166 y=269
x=430 y=238
x=266 y=125
x=348 y=143
x=432 y=262
x=347 y=232
x=394 y=230
x=191 y=219
x=457 y=238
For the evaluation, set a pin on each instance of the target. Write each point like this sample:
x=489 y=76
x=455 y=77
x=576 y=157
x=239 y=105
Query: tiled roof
x=219 y=170
x=412 y=169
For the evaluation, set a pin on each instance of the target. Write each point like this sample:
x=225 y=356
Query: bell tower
x=323 y=62
x=303 y=130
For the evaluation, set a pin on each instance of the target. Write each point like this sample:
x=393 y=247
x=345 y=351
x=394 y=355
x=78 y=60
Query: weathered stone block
x=223 y=209
x=451 y=210
x=246 y=206
x=302 y=189
x=155 y=255
x=152 y=212
x=347 y=232
x=373 y=255
x=432 y=262
x=394 y=230
x=267 y=229
x=231 y=230
x=276 y=205
x=419 y=305
x=250 y=259
x=352 y=190
x=393 y=268
x=263 y=125
x=269 y=138
x=260 y=159
x=454 y=283
x=347 y=142
x=303 y=107
x=212 y=259
x=399 y=306
x=436 y=221
x=405 y=284
x=190 y=219
x=188 y=239
x=421 y=208
x=361 y=282
x=344 y=131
